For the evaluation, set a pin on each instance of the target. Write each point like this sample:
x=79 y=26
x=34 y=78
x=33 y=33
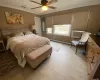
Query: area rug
x=7 y=62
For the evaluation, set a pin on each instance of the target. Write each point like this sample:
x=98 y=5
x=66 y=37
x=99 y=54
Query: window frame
x=47 y=31
x=69 y=32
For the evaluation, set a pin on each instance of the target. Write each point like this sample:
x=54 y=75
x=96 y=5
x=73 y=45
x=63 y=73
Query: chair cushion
x=75 y=42
x=78 y=43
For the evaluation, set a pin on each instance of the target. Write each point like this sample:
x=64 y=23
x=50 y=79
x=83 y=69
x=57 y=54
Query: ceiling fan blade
x=51 y=1
x=35 y=2
x=36 y=7
x=52 y=7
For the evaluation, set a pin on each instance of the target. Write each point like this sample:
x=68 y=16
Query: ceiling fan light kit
x=44 y=8
x=44 y=4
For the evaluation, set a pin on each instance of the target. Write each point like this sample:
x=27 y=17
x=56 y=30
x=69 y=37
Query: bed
x=29 y=48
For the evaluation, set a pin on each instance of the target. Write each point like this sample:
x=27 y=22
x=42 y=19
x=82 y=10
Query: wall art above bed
x=13 y=18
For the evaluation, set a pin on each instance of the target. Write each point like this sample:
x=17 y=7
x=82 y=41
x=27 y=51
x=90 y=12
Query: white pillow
x=19 y=34
x=28 y=32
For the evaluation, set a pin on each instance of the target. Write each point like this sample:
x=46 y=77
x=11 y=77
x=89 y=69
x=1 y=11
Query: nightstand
x=2 y=46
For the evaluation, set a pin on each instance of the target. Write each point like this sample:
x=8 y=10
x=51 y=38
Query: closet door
x=80 y=20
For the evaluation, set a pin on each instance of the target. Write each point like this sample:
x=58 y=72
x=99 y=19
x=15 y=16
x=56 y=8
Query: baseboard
x=60 y=41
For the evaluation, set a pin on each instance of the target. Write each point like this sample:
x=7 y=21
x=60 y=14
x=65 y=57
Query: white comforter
x=22 y=45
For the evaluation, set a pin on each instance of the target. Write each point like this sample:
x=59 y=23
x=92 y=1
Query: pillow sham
x=19 y=34
x=28 y=32
x=10 y=35
x=14 y=34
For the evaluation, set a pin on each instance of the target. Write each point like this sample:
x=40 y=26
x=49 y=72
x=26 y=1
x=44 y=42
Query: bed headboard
x=9 y=31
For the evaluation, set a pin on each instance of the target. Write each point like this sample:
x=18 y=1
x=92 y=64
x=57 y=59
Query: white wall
x=37 y=25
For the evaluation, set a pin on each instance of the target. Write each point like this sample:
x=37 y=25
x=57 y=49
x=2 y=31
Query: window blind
x=80 y=20
x=62 y=19
x=49 y=22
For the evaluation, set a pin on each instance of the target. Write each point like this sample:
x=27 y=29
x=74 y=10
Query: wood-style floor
x=63 y=64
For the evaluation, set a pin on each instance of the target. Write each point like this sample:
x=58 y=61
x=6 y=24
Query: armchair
x=82 y=41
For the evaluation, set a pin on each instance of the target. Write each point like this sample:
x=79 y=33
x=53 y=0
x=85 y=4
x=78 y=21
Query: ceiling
x=61 y=5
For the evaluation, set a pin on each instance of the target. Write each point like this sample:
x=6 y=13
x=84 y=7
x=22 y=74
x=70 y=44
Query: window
x=62 y=29
x=49 y=30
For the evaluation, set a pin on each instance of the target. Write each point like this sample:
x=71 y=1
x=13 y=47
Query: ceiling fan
x=44 y=4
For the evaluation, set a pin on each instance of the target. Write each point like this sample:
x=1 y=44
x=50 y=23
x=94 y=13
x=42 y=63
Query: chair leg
x=71 y=45
x=76 y=50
